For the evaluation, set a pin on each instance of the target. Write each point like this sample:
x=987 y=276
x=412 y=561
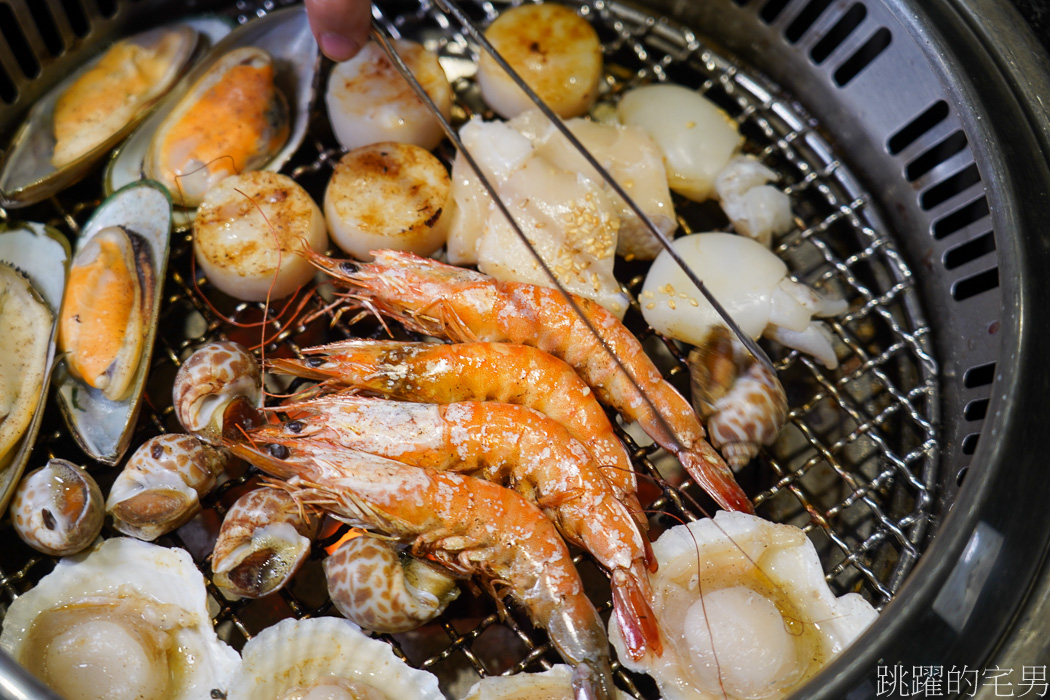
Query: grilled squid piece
x=57 y=509
x=752 y=285
x=161 y=486
x=740 y=399
x=264 y=539
x=217 y=387
x=232 y=120
x=381 y=588
x=553 y=49
x=701 y=148
x=106 y=311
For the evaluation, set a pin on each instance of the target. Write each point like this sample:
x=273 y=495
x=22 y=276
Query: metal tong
x=450 y=8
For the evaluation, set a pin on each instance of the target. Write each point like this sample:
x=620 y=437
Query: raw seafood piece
x=471 y=527
x=264 y=539
x=126 y=620
x=160 y=487
x=554 y=684
x=217 y=385
x=756 y=209
x=750 y=282
x=746 y=611
x=58 y=509
x=369 y=101
x=376 y=585
x=553 y=49
x=107 y=310
x=388 y=195
x=250 y=234
x=232 y=120
x=326 y=657
x=458 y=304
x=504 y=443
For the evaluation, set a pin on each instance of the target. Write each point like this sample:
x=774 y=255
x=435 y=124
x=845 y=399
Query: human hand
x=340 y=26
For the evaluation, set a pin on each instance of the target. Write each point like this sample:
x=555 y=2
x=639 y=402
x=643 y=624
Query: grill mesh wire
x=854 y=467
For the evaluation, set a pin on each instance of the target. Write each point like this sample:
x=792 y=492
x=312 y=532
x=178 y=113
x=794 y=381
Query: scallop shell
x=753 y=591
x=285 y=35
x=42 y=255
x=149 y=592
x=102 y=427
x=552 y=684
x=296 y=653
x=27 y=174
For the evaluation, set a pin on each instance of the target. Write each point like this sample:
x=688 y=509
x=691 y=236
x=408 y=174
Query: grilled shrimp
x=441 y=373
x=470 y=526
x=450 y=302
x=510 y=445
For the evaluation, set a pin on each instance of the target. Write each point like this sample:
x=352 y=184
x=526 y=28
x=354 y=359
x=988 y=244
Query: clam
x=58 y=509
x=33 y=263
x=85 y=116
x=325 y=655
x=285 y=37
x=109 y=317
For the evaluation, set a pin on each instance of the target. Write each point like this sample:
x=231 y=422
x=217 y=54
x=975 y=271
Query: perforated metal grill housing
x=892 y=213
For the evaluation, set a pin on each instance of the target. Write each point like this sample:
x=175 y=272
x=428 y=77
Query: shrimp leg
x=470 y=526
x=501 y=372
x=510 y=445
x=462 y=305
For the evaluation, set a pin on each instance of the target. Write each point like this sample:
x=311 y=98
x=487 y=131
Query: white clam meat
x=745 y=611
x=328 y=658
x=127 y=620
x=750 y=282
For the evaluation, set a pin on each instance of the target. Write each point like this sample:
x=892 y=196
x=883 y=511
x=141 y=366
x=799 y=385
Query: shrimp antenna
x=381 y=39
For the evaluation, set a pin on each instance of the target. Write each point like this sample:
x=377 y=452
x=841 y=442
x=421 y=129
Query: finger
x=339 y=26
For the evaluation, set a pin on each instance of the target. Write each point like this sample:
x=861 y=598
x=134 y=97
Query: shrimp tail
x=713 y=475
x=635 y=617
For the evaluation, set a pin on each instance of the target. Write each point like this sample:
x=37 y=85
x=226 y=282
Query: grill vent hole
x=969 y=443
x=948 y=188
x=970 y=251
x=981 y=375
x=772 y=9
x=77 y=19
x=978 y=284
x=934 y=115
x=960 y=218
x=45 y=24
x=935 y=156
x=839 y=33
x=8 y=91
x=976 y=409
x=17 y=41
x=863 y=57
x=805 y=19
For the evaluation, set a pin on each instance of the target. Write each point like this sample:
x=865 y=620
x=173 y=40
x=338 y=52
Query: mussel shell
x=27 y=174
x=103 y=427
x=285 y=35
x=42 y=255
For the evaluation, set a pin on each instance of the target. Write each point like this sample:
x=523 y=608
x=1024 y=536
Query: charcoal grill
x=914 y=140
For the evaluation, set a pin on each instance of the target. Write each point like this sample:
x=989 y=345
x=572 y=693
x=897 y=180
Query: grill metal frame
x=987 y=462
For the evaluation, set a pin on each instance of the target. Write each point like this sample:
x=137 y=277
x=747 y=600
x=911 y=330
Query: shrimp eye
x=348 y=267
x=294 y=426
x=315 y=361
x=278 y=451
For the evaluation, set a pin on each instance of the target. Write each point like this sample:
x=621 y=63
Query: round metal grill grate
x=855 y=466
